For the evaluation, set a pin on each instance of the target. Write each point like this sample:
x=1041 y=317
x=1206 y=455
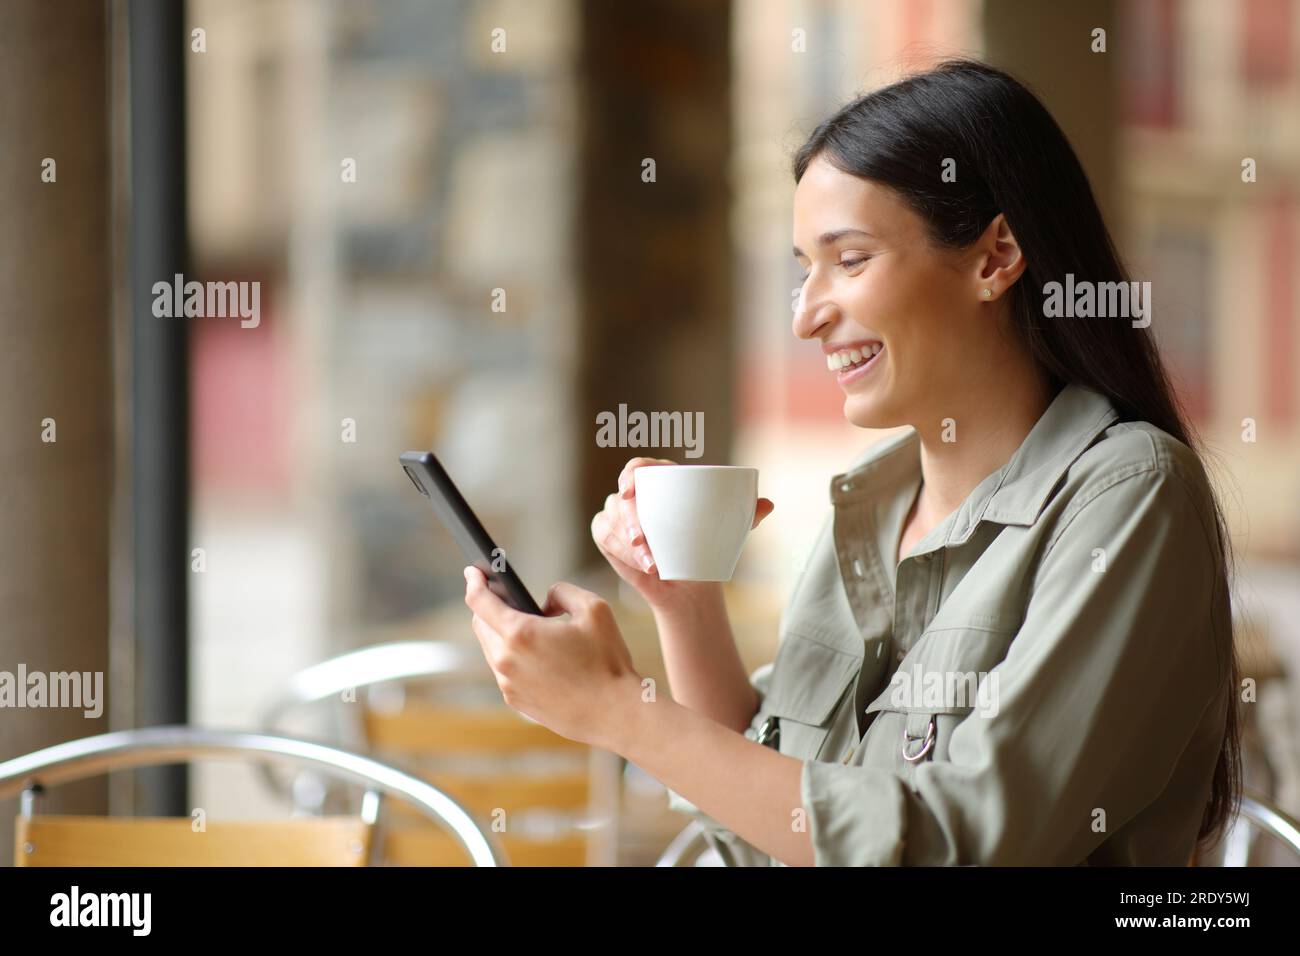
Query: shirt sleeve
x=731 y=848
x=1097 y=698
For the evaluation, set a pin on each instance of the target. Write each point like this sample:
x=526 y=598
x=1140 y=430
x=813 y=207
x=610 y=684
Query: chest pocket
x=943 y=681
x=810 y=682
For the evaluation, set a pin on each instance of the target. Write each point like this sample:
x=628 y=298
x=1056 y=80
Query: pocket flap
x=946 y=673
x=808 y=679
x=904 y=704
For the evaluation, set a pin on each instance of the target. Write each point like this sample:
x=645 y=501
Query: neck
x=988 y=428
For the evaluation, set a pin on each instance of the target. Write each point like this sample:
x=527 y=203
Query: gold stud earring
x=988 y=293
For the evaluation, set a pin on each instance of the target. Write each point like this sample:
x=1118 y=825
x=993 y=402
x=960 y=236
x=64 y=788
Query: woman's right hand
x=618 y=535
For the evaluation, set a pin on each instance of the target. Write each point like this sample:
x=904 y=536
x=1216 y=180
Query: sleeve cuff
x=857 y=816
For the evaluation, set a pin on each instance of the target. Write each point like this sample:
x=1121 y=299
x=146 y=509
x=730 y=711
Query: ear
x=1000 y=262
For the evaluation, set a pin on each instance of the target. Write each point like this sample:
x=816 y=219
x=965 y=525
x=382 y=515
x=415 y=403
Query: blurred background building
x=446 y=205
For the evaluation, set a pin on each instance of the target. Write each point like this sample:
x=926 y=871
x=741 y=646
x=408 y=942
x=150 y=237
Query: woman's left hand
x=573 y=675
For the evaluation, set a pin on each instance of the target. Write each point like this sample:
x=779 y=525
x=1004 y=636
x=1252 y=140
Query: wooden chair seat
x=418 y=845
x=56 y=840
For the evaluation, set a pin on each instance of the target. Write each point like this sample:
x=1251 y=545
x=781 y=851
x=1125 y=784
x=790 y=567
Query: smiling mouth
x=848 y=360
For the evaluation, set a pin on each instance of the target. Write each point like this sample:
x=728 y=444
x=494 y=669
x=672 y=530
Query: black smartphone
x=432 y=481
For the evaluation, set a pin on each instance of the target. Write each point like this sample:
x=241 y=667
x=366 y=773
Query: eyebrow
x=826 y=238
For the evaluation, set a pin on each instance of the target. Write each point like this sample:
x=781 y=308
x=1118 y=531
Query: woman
x=1012 y=643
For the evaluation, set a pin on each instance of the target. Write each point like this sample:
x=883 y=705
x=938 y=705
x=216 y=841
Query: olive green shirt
x=1040 y=681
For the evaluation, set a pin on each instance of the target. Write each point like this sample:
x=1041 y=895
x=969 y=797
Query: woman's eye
x=846 y=263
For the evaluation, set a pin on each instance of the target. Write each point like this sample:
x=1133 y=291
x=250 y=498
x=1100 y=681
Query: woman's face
x=882 y=285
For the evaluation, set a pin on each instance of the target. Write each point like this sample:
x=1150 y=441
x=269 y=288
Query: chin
x=864 y=413
x=869 y=410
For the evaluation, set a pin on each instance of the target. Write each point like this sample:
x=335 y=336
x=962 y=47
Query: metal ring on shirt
x=929 y=742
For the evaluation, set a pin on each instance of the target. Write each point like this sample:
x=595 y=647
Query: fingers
x=505 y=666
x=564 y=597
x=617 y=534
x=488 y=639
x=608 y=532
x=630 y=528
x=762 y=510
x=626 y=486
x=504 y=619
x=615 y=548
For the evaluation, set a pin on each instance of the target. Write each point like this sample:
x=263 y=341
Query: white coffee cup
x=695 y=517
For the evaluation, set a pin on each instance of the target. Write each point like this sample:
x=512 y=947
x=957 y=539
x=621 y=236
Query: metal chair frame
x=392 y=663
x=29 y=774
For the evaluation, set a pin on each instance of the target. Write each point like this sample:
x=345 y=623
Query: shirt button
x=923 y=558
x=857 y=566
x=900 y=655
x=846 y=486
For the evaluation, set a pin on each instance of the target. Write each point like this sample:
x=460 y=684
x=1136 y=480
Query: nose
x=812 y=312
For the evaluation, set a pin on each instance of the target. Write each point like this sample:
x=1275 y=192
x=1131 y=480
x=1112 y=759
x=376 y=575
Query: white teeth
x=847 y=357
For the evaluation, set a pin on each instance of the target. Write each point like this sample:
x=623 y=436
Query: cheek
x=876 y=298
x=920 y=304
x=894 y=300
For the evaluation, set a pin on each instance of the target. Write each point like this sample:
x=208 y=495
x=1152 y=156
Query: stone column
x=655 y=258
x=1049 y=47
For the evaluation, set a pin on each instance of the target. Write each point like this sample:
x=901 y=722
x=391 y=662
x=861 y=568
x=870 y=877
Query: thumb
x=565 y=597
x=762 y=510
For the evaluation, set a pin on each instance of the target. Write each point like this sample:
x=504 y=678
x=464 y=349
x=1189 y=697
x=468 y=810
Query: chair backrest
x=73 y=840
x=502 y=791
x=550 y=801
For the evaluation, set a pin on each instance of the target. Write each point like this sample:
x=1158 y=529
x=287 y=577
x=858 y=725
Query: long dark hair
x=1012 y=158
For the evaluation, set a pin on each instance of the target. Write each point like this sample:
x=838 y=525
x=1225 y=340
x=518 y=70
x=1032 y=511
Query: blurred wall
x=56 y=364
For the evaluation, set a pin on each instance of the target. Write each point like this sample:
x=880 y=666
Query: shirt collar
x=1015 y=493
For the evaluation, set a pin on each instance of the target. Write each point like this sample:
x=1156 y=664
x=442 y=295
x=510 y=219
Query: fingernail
x=646 y=562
